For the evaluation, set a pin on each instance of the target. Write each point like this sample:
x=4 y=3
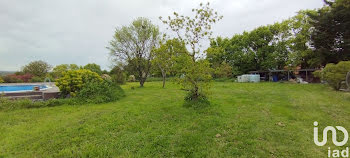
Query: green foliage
x=37 y=68
x=133 y=44
x=117 y=75
x=165 y=57
x=196 y=101
x=334 y=74
x=36 y=79
x=94 y=68
x=330 y=36
x=12 y=79
x=195 y=77
x=1 y=80
x=195 y=73
x=223 y=71
x=100 y=92
x=73 y=81
x=58 y=70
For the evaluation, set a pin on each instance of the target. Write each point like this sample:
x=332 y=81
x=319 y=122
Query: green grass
x=254 y=120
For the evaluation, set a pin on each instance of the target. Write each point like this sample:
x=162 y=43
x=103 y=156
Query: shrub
x=36 y=79
x=11 y=79
x=196 y=101
x=74 y=80
x=118 y=76
x=334 y=74
x=1 y=80
x=100 y=92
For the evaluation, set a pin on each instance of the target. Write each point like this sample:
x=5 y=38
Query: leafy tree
x=133 y=44
x=1 y=80
x=165 y=56
x=301 y=53
x=37 y=68
x=192 y=30
x=58 y=70
x=331 y=34
x=224 y=70
x=93 y=67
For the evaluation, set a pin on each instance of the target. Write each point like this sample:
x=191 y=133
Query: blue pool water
x=20 y=88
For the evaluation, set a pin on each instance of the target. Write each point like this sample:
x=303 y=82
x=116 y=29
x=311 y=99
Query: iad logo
x=334 y=135
x=332 y=153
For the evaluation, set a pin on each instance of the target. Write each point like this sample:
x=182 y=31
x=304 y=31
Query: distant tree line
x=311 y=39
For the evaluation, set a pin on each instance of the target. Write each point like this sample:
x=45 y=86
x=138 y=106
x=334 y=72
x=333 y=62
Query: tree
x=165 y=56
x=93 y=67
x=331 y=34
x=58 y=70
x=133 y=44
x=37 y=68
x=192 y=30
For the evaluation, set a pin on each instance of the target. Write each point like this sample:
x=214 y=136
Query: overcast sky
x=77 y=31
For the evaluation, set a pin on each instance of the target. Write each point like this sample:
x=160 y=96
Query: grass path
x=252 y=120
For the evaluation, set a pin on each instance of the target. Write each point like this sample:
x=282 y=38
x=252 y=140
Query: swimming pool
x=19 y=88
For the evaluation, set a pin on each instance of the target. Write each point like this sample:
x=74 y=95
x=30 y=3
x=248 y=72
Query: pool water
x=15 y=88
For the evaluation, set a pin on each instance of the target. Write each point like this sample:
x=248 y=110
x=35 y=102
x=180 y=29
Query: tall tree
x=133 y=44
x=192 y=30
x=331 y=35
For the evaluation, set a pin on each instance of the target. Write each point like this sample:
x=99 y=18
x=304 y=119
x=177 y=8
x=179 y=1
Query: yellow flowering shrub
x=72 y=81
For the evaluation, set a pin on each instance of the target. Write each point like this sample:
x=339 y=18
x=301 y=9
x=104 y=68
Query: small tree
x=164 y=56
x=94 y=68
x=37 y=68
x=192 y=30
x=133 y=44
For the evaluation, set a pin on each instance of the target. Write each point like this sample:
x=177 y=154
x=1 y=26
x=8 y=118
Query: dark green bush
x=334 y=74
x=196 y=101
x=100 y=92
x=118 y=79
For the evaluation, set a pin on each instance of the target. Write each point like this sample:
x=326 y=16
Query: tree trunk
x=164 y=75
x=142 y=81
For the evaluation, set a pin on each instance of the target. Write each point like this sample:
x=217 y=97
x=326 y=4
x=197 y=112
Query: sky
x=78 y=31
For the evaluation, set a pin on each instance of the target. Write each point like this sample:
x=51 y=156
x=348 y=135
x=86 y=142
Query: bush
x=12 y=79
x=100 y=92
x=334 y=74
x=118 y=76
x=36 y=79
x=1 y=80
x=74 y=80
x=196 y=101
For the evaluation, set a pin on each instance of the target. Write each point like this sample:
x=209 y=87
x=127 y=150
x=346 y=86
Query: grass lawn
x=245 y=120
